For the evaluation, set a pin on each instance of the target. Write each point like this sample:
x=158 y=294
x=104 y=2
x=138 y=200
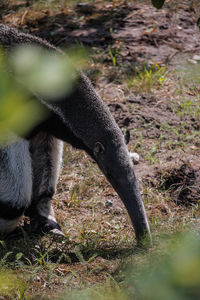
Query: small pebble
x=108 y=203
x=135 y=157
x=196 y=57
x=192 y=61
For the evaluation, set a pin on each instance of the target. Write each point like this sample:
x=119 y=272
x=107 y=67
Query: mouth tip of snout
x=145 y=242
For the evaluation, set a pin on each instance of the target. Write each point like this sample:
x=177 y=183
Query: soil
x=183 y=183
x=165 y=136
x=144 y=33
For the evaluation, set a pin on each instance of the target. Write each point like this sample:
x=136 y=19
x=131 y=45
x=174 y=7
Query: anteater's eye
x=98 y=148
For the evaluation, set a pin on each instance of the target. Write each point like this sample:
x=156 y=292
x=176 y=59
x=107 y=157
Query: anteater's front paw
x=42 y=225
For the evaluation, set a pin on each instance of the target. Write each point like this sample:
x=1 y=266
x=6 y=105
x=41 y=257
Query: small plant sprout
x=148 y=78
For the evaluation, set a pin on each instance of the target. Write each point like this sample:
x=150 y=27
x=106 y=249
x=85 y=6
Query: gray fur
x=82 y=119
x=11 y=37
x=15 y=179
x=16 y=173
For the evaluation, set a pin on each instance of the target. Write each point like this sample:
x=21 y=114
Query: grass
x=149 y=78
x=114 y=51
x=170 y=264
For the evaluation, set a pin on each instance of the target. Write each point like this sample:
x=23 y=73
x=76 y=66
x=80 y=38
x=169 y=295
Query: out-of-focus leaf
x=158 y=3
x=19 y=112
x=47 y=74
x=28 y=72
x=18 y=256
x=174 y=274
x=198 y=23
x=9 y=283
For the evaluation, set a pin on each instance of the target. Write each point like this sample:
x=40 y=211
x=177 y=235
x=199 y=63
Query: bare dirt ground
x=162 y=113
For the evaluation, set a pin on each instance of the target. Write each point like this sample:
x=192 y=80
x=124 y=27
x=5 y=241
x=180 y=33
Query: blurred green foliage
x=18 y=110
x=158 y=3
x=172 y=274
x=47 y=73
x=168 y=272
x=28 y=73
x=9 y=284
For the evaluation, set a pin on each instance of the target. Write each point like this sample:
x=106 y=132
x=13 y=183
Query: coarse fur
x=81 y=119
x=16 y=181
x=16 y=174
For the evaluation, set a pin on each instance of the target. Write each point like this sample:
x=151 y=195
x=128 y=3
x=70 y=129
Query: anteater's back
x=11 y=37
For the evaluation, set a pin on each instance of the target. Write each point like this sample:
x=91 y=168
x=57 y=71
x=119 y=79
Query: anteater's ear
x=127 y=137
x=98 y=148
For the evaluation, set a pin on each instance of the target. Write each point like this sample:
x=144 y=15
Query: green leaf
x=198 y=23
x=2 y=243
x=158 y=3
x=18 y=256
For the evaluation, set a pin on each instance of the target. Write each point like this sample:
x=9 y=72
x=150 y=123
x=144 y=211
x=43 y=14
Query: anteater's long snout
x=118 y=168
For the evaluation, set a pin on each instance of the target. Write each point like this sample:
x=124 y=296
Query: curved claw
x=44 y=225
